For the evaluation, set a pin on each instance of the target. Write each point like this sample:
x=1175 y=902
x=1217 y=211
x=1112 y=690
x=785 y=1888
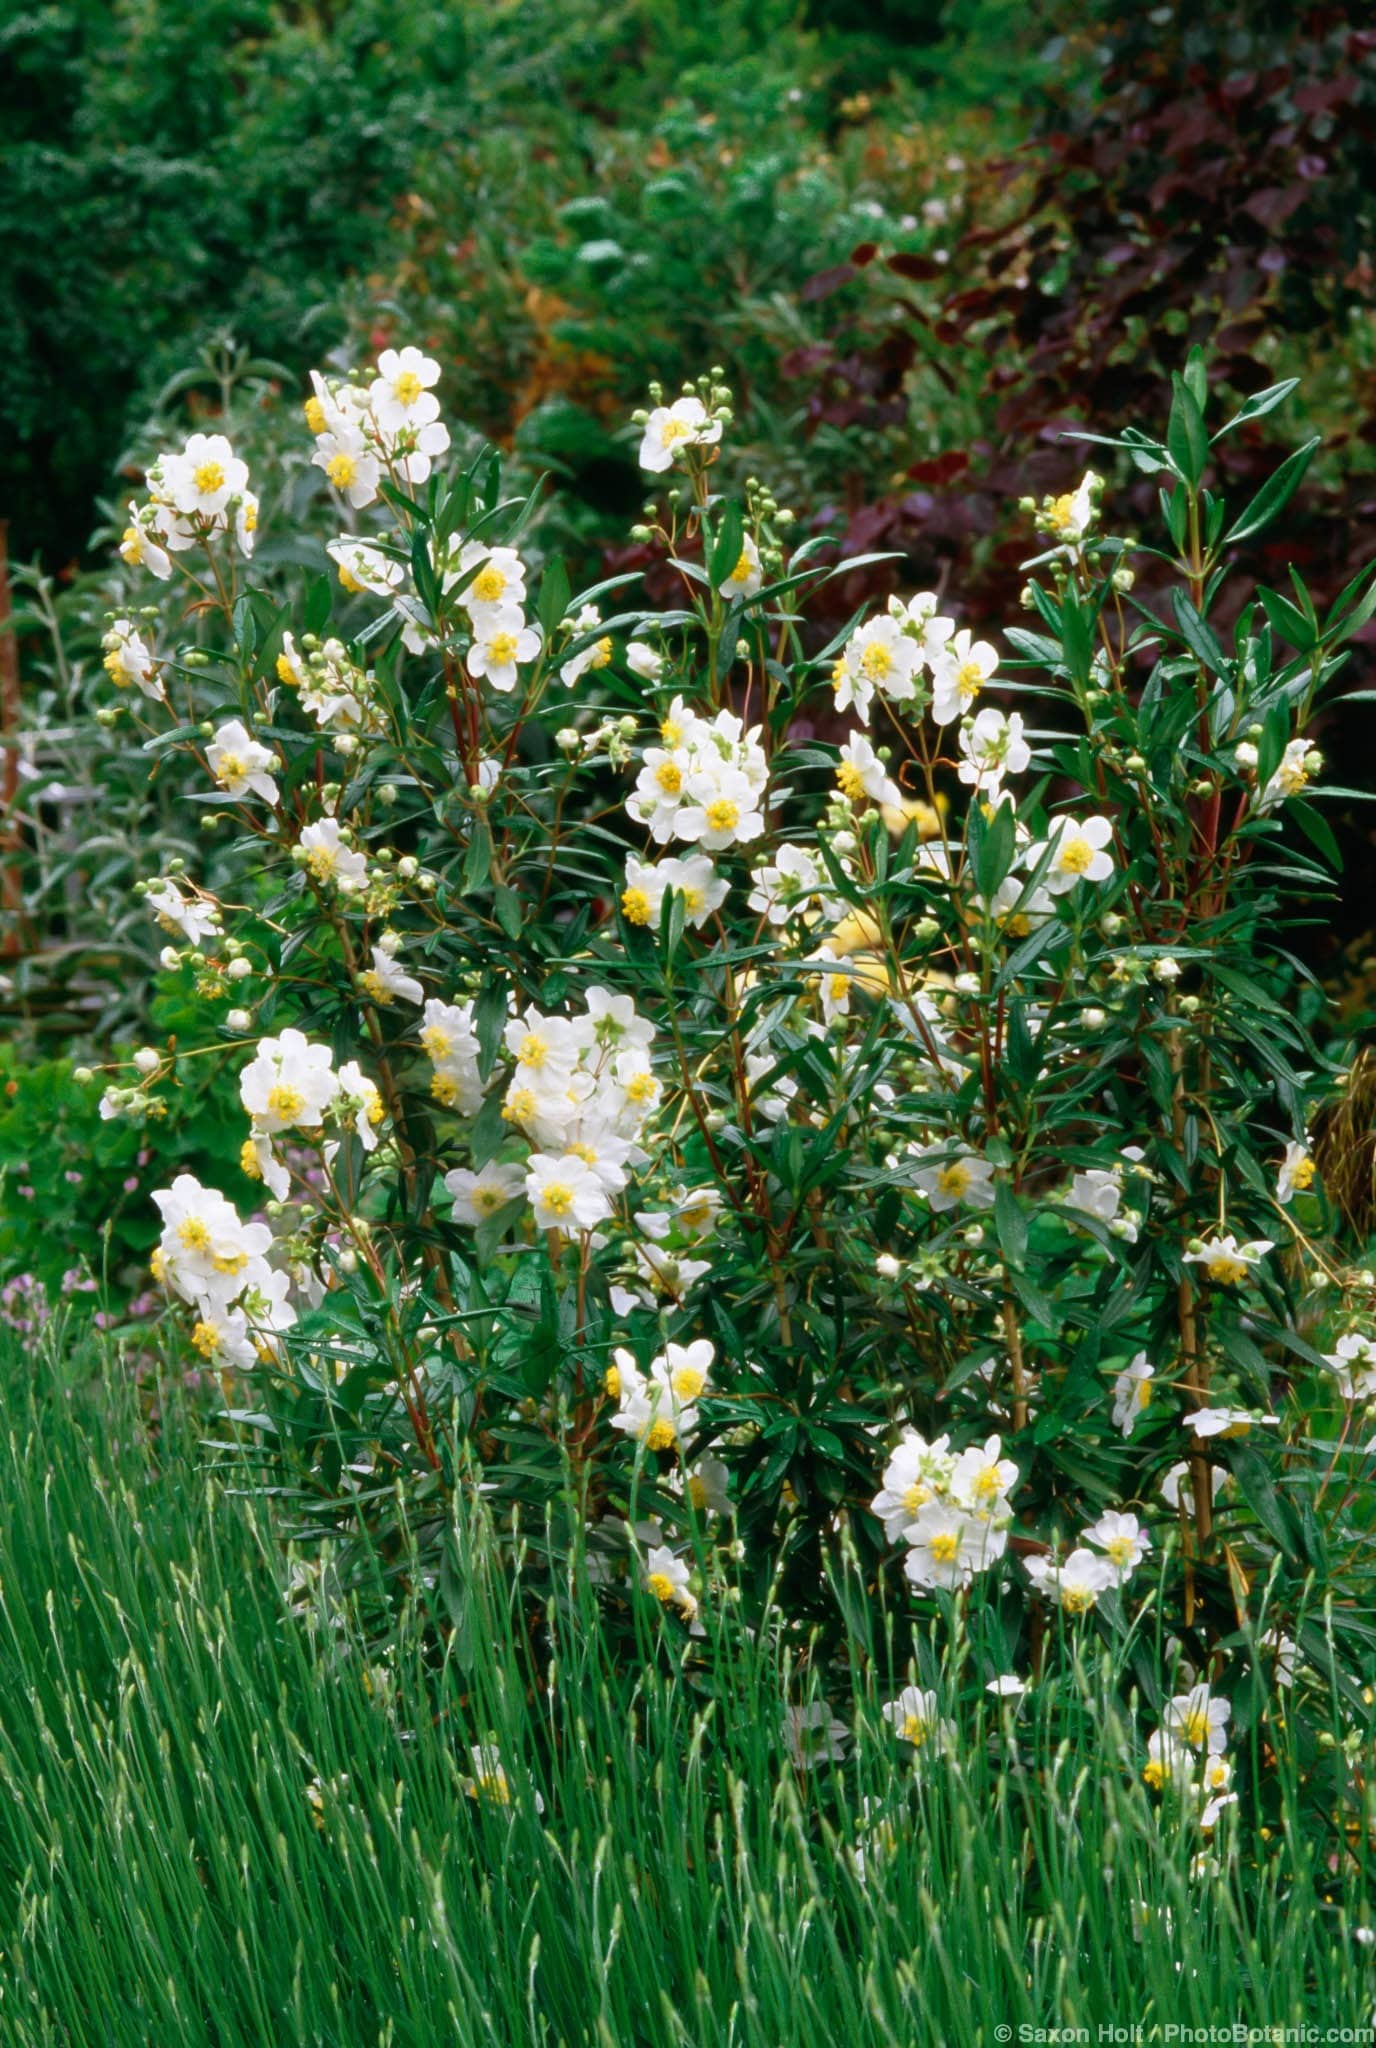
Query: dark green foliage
x=171 y=169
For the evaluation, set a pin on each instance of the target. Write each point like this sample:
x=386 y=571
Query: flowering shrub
x=779 y=1168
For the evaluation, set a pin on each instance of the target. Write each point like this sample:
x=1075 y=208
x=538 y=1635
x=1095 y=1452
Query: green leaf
x=1186 y=440
x=1274 y=495
x=1317 y=830
x=554 y=596
x=726 y=548
x=1197 y=377
x=1288 y=621
x=1011 y=1225
x=996 y=849
x=1259 y=404
x=507 y=905
x=1200 y=638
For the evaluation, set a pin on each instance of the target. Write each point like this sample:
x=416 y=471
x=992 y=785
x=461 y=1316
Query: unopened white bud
x=567 y=740
x=147 y=1060
x=408 y=867
x=238 y=1021
x=1093 y=1019
x=170 y=958
x=887 y=1266
x=1166 y=969
x=239 y=969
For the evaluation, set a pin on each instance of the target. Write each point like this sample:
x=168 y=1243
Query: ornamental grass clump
x=770 y=1117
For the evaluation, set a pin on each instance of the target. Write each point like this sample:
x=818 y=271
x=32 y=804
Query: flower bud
x=82 y=1076
x=147 y=1060
x=567 y=740
x=887 y=1266
x=408 y=867
x=1093 y=1019
x=239 y=969
x=238 y=1020
x=170 y=958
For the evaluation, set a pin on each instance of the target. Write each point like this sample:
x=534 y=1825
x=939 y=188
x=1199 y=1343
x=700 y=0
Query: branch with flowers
x=775 y=1096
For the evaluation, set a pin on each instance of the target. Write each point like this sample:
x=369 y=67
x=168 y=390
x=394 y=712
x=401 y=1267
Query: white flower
x=1018 y=907
x=785 y=889
x=658 y=792
x=200 y=482
x=288 y=1084
x=565 y=1193
x=138 y=546
x=480 y=1195
x=992 y=746
x=357 y=1101
x=745 y=578
x=384 y=981
x=363 y=566
x=239 y=763
x=705 y=1485
x=1076 y=1583
x=498 y=582
x=981 y=1478
x=671 y=428
x=130 y=662
x=916 y=1473
x=205 y=1252
x=1077 y=853
x=954 y=1178
x=1225 y=1261
x=1226 y=1422
x=595 y=655
x=194 y=918
x=1199 y=1718
x=502 y=639
x=221 y=1336
x=1296 y=1174
x=1132 y=1392
x=923 y=623
x=1169 y=1761
x=1007 y=1686
x=1121 y=1538
x=1286 y=1652
x=328 y=859
x=400 y=396
x=490 y=1782
x=878 y=656
x=350 y=465
x=860 y=773
x=946 y=1547
x=814 y=1736
x=722 y=811
x=1289 y=778
x=914 y=1718
x=1353 y=1365
x=959 y=672
x=1177 y=1490
x=1070 y=517
x=666 y=1576
x=643 y=661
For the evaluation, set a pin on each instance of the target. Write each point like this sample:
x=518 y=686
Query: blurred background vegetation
x=921 y=247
